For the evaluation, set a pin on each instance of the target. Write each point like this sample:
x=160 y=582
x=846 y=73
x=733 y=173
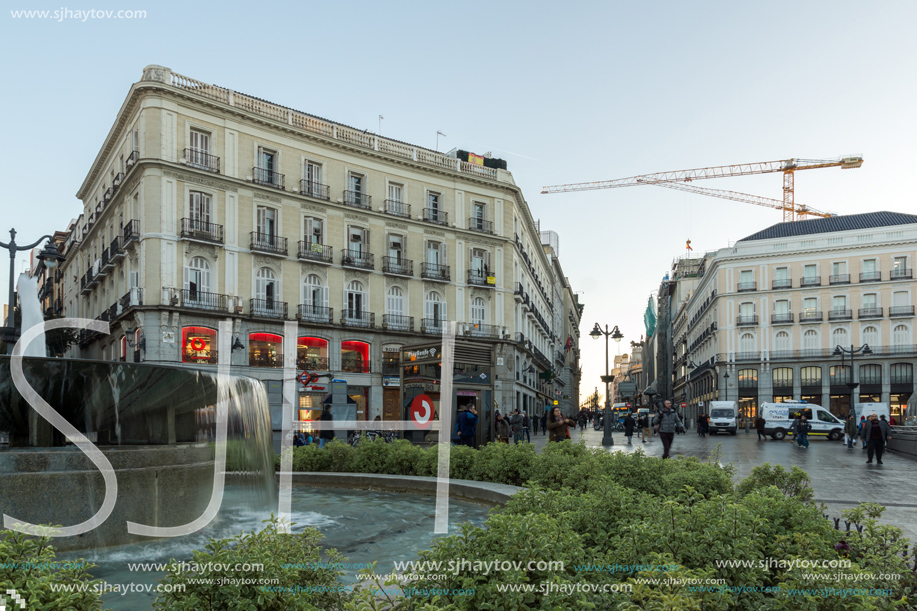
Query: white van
x=868 y=409
x=779 y=417
x=724 y=416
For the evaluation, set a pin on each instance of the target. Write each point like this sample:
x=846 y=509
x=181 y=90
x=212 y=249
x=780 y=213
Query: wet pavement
x=840 y=477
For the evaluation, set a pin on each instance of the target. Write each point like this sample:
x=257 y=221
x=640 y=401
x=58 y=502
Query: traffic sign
x=684 y=404
x=421 y=411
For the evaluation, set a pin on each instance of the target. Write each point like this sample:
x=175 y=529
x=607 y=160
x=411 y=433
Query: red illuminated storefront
x=198 y=345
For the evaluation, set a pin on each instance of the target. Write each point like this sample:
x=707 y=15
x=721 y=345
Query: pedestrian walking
x=501 y=428
x=759 y=426
x=861 y=432
x=629 y=424
x=525 y=427
x=558 y=425
x=327 y=434
x=877 y=433
x=466 y=426
x=850 y=431
x=801 y=427
x=646 y=425
x=516 y=421
x=535 y=422
x=544 y=423
x=668 y=422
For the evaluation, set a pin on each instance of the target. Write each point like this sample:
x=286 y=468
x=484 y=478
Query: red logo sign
x=627 y=405
x=422 y=411
x=684 y=405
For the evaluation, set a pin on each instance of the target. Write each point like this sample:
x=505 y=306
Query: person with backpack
x=668 y=422
x=801 y=427
x=466 y=427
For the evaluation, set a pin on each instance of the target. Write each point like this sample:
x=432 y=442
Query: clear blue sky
x=564 y=92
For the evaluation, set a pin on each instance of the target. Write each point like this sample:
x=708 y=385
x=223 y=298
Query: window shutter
x=133 y=279
x=325 y=296
x=487 y=261
x=317 y=231
x=187 y=277
x=307 y=230
x=366 y=240
x=442 y=254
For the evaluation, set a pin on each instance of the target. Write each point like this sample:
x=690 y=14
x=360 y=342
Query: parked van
x=868 y=409
x=779 y=417
x=724 y=416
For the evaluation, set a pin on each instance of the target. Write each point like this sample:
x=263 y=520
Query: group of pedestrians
x=873 y=433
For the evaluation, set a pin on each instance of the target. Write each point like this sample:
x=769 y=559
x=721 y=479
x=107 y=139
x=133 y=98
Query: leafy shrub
x=405 y=458
x=505 y=463
x=794 y=483
x=28 y=565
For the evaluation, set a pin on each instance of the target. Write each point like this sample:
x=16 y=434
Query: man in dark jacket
x=801 y=427
x=850 y=429
x=668 y=422
x=518 y=423
x=327 y=434
x=544 y=423
x=467 y=426
x=759 y=426
x=876 y=433
x=629 y=424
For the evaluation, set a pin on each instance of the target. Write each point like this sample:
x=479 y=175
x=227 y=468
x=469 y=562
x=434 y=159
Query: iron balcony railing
x=839 y=279
x=107 y=263
x=313 y=363
x=435 y=215
x=397 y=322
x=314 y=189
x=481 y=277
x=357 y=258
x=482 y=330
x=131 y=231
x=870 y=313
x=269 y=178
x=749 y=319
x=840 y=314
x=116 y=182
x=810 y=281
x=901 y=310
x=358 y=318
x=397 y=208
x=265 y=359
x=744 y=287
x=783 y=317
x=116 y=249
x=354 y=365
x=307 y=312
x=202 y=160
x=199 y=300
x=901 y=273
x=901 y=379
x=391 y=366
x=313 y=251
x=358 y=199
x=131 y=299
x=196 y=229
x=870 y=276
x=269 y=243
x=476 y=224
x=782 y=283
x=431 y=325
x=267 y=308
x=434 y=271
x=810 y=316
x=131 y=160
x=397 y=267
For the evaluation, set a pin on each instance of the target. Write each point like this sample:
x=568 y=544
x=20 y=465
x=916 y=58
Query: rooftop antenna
x=380 y=124
x=438 y=134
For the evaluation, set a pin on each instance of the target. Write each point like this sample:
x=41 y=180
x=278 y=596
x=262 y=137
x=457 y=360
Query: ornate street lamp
x=616 y=335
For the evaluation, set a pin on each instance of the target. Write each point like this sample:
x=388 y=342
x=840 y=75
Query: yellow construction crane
x=678 y=180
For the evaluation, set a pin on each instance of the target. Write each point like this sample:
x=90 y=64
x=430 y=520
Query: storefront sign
x=389 y=381
x=466 y=393
x=432 y=353
x=422 y=411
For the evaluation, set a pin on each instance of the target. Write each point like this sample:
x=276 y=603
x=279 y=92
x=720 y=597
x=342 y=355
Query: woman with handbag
x=558 y=426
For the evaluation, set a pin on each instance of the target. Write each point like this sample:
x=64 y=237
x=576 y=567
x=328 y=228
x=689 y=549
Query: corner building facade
x=205 y=204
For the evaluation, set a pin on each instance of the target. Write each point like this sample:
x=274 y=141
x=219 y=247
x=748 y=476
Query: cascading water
x=31 y=313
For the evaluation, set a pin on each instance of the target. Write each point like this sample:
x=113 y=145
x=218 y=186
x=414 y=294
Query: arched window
x=265 y=285
x=199 y=345
x=783 y=377
x=434 y=308
x=810 y=342
x=265 y=350
x=355 y=303
x=355 y=357
x=901 y=337
x=782 y=343
x=810 y=376
x=840 y=374
x=197 y=279
x=870 y=374
x=748 y=378
x=839 y=338
x=902 y=373
x=871 y=336
x=314 y=306
x=394 y=301
x=312 y=354
x=747 y=344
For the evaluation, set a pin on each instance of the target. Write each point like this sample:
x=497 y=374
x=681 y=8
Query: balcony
x=132 y=299
x=267 y=308
x=397 y=208
x=397 y=267
x=870 y=276
x=268 y=178
x=202 y=160
x=85 y=286
x=781 y=318
x=116 y=250
x=313 y=251
x=839 y=279
x=198 y=300
x=131 y=232
x=746 y=287
x=313 y=363
x=107 y=264
x=476 y=224
x=482 y=330
x=396 y=322
x=308 y=313
x=782 y=283
x=518 y=292
x=869 y=313
x=480 y=277
x=200 y=231
x=901 y=310
x=810 y=316
x=357 y=259
x=839 y=314
x=433 y=326
x=268 y=243
x=901 y=273
x=116 y=182
x=314 y=189
x=354 y=365
x=435 y=271
x=357 y=318
x=131 y=161
x=435 y=215
x=749 y=319
x=810 y=281
x=358 y=199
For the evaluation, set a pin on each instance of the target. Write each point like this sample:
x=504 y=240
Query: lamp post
x=726 y=389
x=50 y=255
x=616 y=335
x=842 y=352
